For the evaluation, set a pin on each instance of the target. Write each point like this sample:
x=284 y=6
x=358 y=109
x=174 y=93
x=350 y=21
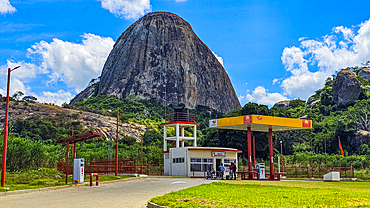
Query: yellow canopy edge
x=260 y=123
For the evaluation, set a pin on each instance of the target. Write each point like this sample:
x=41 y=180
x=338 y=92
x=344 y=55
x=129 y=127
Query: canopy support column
x=254 y=152
x=250 y=175
x=271 y=155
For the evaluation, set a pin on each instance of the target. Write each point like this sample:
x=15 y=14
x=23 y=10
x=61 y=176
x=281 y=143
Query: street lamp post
x=6 y=129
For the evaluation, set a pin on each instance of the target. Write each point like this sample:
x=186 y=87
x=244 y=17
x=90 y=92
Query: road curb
x=154 y=205
x=25 y=191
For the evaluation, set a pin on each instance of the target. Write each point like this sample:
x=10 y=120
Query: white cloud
x=276 y=80
x=57 y=98
x=342 y=48
x=15 y=85
x=6 y=7
x=220 y=59
x=262 y=96
x=26 y=71
x=72 y=63
x=75 y=64
x=129 y=9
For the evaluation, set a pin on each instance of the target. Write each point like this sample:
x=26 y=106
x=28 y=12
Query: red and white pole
x=250 y=175
x=271 y=155
x=117 y=143
x=281 y=153
x=3 y=170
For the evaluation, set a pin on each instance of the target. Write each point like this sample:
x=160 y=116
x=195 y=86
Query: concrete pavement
x=130 y=194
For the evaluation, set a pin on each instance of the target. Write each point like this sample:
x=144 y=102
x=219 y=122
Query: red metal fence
x=105 y=167
x=308 y=172
x=317 y=172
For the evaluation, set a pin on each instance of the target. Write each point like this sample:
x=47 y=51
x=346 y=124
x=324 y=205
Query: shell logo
x=247 y=119
x=306 y=123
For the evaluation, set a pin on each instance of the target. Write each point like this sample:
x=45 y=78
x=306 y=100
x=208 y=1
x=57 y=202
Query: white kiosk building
x=191 y=161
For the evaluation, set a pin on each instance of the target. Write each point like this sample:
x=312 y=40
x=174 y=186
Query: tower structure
x=179 y=120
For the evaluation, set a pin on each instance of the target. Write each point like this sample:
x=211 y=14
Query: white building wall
x=207 y=154
x=178 y=167
x=166 y=164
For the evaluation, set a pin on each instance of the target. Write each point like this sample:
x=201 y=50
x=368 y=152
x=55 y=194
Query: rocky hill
x=103 y=124
x=161 y=57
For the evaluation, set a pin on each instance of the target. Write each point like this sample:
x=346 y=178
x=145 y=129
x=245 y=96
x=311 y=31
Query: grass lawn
x=33 y=179
x=270 y=194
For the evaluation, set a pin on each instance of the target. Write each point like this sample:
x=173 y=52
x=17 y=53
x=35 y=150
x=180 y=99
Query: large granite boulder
x=161 y=57
x=346 y=87
x=362 y=137
x=282 y=104
x=365 y=73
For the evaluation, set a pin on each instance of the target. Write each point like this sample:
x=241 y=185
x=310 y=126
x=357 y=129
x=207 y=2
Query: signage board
x=213 y=123
x=218 y=154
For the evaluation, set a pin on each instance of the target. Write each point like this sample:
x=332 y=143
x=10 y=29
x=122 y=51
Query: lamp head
x=15 y=68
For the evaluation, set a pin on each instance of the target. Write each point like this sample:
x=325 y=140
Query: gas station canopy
x=260 y=123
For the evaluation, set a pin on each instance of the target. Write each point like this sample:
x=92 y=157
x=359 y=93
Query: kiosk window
x=201 y=164
x=178 y=160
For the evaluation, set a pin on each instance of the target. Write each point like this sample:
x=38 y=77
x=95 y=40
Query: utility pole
x=141 y=169
x=6 y=129
x=117 y=143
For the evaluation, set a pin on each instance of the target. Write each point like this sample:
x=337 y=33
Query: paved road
x=134 y=193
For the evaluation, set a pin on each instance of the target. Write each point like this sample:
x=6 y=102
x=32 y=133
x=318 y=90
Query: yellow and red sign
x=306 y=123
x=247 y=119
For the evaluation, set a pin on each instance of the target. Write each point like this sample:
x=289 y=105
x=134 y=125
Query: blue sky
x=272 y=50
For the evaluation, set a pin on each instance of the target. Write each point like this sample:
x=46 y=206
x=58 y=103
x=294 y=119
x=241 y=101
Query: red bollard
x=91 y=179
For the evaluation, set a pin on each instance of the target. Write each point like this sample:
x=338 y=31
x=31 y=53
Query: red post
x=91 y=178
x=117 y=143
x=250 y=176
x=254 y=152
x=281 y=153
x=141 y=171
x=5 y=132
x=67 y=162
x=271 y=155
x=74 y=147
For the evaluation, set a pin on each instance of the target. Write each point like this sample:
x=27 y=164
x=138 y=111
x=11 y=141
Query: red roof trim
x=229 y=150
x=180 y=122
